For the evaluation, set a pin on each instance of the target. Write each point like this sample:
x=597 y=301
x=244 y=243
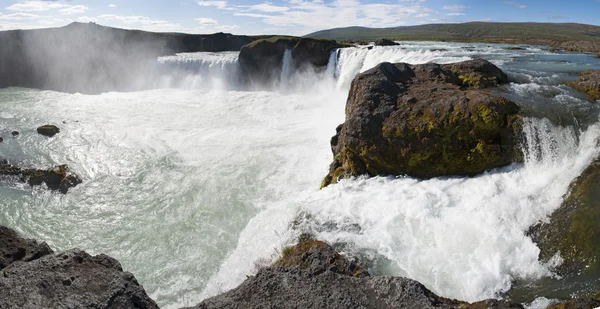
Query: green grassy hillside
x=472 y=31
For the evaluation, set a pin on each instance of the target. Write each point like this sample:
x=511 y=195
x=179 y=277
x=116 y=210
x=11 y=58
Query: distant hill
x=473 y=31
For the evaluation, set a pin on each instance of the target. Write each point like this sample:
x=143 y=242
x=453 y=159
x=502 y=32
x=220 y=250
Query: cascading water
x=200 y=70
x=287 y=66
x=192 y=189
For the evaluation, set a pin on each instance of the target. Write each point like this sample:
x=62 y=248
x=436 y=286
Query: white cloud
x=35 y=6
x=75 y=9
x=456 y=14
x=304 y=16
x=112 y=5
x=456 y=7
x=518 y=5
x=19 y=16
x=217 y=4
x=207 y=21
x=268 y=8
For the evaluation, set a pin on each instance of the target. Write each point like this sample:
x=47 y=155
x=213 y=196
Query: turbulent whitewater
x=197 y=183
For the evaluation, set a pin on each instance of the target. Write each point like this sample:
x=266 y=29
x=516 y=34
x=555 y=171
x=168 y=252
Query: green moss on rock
x=423 y=121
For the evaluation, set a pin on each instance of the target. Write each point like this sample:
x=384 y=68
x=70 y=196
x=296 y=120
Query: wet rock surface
x=48 y=130
x=57 y=178
x=426 y=121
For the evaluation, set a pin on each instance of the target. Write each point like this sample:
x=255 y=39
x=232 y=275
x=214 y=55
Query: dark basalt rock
x=57 y=178
x=385 y=42
x=73 y=279
x=14 y=133
x=573 y=230
x=426 y=121
x=588 y=82
x=515 y=48
x=261 y=60
x=589 y=302
x=15 y=248
x=301 y=279
x=1 y=139
x=48 y=130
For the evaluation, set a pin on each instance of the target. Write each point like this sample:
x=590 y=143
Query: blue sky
x=296 y=17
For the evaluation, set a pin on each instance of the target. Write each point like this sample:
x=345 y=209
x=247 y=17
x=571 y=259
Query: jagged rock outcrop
x=16 y=248
x=589 y=302
x=36 y=278
x=426 y=121
x=261 y=61
x=385 y=42
x=57 y=178
x=313 y=275
x=573 y=230
x=588 y=82
x=90 y=58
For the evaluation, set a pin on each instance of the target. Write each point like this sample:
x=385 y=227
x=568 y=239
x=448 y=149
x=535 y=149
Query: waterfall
x=287 y=66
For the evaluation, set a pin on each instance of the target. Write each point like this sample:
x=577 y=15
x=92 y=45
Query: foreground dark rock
x=426 y=121
x=573 y=230
x=36 y=278
x=261 y=61
x=57 y=178
x=385 y=42
x=313 y=275
x=48 y=130
x=15 y=248
x=588 y=82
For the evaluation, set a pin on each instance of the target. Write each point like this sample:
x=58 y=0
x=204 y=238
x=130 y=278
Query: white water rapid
x=194 y=185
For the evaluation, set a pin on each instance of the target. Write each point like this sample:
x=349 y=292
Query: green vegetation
x=468 y=32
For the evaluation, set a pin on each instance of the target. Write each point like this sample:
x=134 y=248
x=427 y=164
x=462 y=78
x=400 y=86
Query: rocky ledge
x=261 y=61
x=57 y=178
x=313 y=275
x=32 y=276
x=426 y=121
x=589 y=83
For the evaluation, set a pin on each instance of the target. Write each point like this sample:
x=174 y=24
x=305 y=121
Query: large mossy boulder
x=588 y=82
x=426 y=121
x=573 y=230
x=261 y=61
x=313 y=275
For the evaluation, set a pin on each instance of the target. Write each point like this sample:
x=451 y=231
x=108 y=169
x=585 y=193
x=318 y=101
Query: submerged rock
x=426 y=121
x=57 y=178
x=573 y=230
x=261 y=61
x=385 y=42
x=15 y=248
x=312 y=275
x=73 y=279
x=48 y=130
x=588 y=82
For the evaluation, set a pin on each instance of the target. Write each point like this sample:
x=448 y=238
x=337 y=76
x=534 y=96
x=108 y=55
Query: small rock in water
x=1 y=139
x=14 y=133
x=48 y=130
